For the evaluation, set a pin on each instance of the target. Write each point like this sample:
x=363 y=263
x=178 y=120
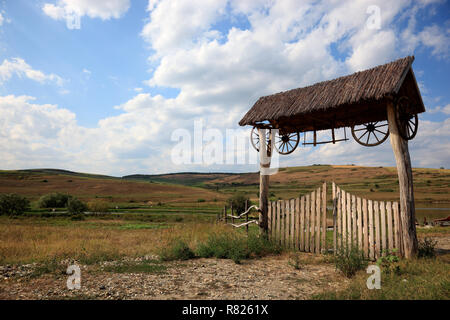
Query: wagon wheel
x=407 y=121
x=287 y=143
x=254 y=138
x=371 y=134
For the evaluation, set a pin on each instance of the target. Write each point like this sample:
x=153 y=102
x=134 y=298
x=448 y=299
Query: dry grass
x=28 y=241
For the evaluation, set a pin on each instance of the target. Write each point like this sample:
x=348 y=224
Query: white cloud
x=220 y=73
x=104 y=9
x=445 y=109
x=18 y=66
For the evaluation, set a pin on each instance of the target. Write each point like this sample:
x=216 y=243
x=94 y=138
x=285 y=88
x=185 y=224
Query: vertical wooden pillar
x=264 y=164
x=405 y=180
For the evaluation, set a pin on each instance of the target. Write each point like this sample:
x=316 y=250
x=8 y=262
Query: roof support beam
x=405 y=181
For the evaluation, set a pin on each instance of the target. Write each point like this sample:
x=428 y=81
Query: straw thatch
x=345 y=101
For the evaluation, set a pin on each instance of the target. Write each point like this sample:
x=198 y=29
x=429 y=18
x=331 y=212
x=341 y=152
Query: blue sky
x=107 y=97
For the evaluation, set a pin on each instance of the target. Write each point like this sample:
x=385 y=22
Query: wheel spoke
x=365 y=128
x=382 y=125
x=368 y=137
x=363 y=135
x=381 y=132
x=376 y=136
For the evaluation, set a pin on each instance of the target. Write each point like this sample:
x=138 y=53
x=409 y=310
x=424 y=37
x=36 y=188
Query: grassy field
x=148 y=212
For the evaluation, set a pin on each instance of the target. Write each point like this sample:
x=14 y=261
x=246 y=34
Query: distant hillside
x=183 y=178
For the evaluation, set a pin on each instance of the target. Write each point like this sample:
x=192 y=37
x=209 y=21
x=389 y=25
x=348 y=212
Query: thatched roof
x=345 y=101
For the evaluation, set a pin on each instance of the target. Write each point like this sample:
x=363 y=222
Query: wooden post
x=225 y=214
x=246 y=216
x=405 y=181
x=264 y=164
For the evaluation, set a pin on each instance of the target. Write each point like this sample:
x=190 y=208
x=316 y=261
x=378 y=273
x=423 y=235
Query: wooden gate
x=371 y=226
x=300 y=223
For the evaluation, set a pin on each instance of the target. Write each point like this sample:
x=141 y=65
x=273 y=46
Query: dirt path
x=265 y=278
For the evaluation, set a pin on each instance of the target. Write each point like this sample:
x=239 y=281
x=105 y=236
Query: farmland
x=148 y=212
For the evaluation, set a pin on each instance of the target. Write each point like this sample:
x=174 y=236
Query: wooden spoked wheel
x=254 y=138
x=287 y=143
x=407 y=121
x=371 y=134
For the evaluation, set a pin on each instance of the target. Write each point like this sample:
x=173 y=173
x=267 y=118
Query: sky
x=106 y=86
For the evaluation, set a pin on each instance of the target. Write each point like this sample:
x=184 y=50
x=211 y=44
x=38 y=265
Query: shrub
x=98 y=206
x=176 y=250
x=426 y=248
x=238 y=201
x=389 y=263
x=13 y=204
x=349 y=261
x=76 y=206
x=54 y=200
x=201 y=200
x=236 y=247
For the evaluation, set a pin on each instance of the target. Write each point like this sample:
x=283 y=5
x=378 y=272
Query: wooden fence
x=300 y=223
x=371 y=226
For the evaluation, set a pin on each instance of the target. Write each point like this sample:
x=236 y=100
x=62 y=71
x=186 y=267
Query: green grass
x=139 y=226
x=418 y=279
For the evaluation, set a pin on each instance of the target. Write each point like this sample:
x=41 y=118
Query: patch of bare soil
x=266 y=278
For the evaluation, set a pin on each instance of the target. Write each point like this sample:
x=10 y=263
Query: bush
x=349 y=261
x=98 y=206
x=75 y=206
x=238 y=202
x=389 y=263
x=54 y=200
x=426 y=248
x=13 y=204
x=177 y=250
x=236 y=247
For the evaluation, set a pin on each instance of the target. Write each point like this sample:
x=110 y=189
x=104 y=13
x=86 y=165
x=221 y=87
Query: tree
x=13 y=204
x=54 y=200
x=238 y=201
x=75 y=206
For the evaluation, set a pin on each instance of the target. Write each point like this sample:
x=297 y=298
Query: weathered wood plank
x=292 y=231
x=371 y=232
x=349 y=220
x=377 y=229
x=344 y=218
x=334 y=197
x=323 y=239
x=397 y=228
x=389 y=227
x=302 y=223
x=313 y=222
x=279 y=222
x=365 y=228
x=354 y=222
x=282 y=210
x=269 y=219
x=297 y=224
x=307 y=222
x=318 y=218
x=359 y=224
x=287 y=223
x=339 y=217
x=383 y=228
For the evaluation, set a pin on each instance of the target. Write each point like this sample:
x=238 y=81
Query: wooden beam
x=264 y=164
x=405 y=180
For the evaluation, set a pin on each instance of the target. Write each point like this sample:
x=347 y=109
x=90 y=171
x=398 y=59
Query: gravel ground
x=265 y=278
